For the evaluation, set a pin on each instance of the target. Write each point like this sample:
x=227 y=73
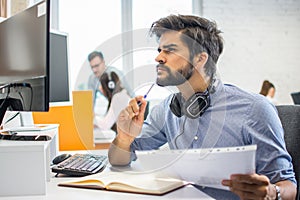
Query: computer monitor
x=24 y=60
x=60 y=92
x=296 y=97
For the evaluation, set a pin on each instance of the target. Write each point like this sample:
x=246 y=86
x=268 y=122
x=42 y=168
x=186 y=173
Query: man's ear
x=200 y=60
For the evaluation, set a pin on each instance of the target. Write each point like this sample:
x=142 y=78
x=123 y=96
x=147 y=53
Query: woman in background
x=117 y=97
x=268 y=90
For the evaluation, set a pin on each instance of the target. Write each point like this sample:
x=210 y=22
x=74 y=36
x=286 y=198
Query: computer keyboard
x=81 y=165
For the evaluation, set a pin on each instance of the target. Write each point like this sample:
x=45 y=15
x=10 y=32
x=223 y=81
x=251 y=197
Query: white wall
x=262 y=41
x=89 y=23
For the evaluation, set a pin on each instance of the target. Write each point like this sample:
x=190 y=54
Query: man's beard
x=174 y=78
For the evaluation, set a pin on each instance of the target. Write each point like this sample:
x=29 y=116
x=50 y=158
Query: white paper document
x=206 y=167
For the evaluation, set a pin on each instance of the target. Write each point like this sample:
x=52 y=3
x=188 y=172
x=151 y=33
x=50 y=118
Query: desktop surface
x=53 y=191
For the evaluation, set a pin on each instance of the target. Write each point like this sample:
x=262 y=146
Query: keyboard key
x=94 y=166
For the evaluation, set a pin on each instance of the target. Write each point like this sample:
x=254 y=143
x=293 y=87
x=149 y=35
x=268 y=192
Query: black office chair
x=147 y=110
x=290 y=119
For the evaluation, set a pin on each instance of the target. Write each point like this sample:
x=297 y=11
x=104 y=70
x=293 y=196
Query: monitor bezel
x=39 y=9
x=70 y=101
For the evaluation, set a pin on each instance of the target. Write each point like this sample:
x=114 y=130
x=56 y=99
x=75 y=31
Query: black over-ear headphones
x=193 y=107
x=111 y=84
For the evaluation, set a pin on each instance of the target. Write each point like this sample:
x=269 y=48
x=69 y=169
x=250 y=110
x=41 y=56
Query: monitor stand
x=9 y=103
x=26 y=119
x=20 y=119
x=13 y=119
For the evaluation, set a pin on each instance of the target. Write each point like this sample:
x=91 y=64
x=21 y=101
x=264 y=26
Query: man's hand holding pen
x=129 y=126
x=130 y=121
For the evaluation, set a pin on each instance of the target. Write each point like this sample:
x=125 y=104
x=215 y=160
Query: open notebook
x=133 y=182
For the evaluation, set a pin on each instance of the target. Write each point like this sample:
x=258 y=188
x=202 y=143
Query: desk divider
x=75 y=122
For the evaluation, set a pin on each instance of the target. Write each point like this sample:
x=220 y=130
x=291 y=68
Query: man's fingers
x=250 y=179
x=244 y=185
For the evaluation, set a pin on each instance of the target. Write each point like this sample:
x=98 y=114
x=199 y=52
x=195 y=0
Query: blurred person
x=268 y=90
x=98 y=67
x=117 y=97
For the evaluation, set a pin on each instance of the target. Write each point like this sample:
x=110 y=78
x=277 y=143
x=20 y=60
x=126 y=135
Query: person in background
x=268 y=90
x=98 y=67
x=117 y=97
x=205 y=113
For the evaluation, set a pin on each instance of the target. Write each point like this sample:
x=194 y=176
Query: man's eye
x=165 y=50
x=169 y=50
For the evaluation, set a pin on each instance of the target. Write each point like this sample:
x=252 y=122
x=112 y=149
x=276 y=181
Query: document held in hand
x=206 y=167
x=134 y=182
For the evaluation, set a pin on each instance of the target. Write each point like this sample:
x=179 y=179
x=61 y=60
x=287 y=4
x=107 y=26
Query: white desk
x=24 y=168
x=54 y=192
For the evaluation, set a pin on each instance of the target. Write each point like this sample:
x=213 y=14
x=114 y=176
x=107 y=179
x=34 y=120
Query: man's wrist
x=277 y=189
x=123 y=141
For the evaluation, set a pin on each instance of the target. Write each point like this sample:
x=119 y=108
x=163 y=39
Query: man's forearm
x=287 y=190
x=119 y=151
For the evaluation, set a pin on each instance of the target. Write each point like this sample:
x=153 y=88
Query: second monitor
x=296 y=97
x=60 y=92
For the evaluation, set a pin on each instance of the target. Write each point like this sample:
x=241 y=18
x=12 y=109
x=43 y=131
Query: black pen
x=145 y=96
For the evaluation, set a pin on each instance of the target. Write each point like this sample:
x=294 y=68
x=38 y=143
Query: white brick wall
x=262 y=41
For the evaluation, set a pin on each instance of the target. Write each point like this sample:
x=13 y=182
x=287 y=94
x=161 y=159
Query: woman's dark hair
x=199 y=34
x=266 y=87
x=107 y=80
x=111 y=85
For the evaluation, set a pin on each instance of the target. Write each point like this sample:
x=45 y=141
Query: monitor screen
x=59 y=72
x=24 y=60
x=296 y=97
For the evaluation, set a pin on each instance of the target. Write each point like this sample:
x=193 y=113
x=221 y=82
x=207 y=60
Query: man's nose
x=160 y=59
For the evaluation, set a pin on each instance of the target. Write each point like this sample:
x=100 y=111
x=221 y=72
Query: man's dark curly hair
x=199 y=34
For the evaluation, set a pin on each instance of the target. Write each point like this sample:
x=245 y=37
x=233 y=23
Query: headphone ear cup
x=175 y=105
x=196 y=105
x=111 y=85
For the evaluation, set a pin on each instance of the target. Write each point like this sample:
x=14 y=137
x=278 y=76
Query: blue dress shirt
x=234 y=118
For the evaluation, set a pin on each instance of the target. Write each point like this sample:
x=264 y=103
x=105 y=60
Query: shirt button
x=196 y=138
